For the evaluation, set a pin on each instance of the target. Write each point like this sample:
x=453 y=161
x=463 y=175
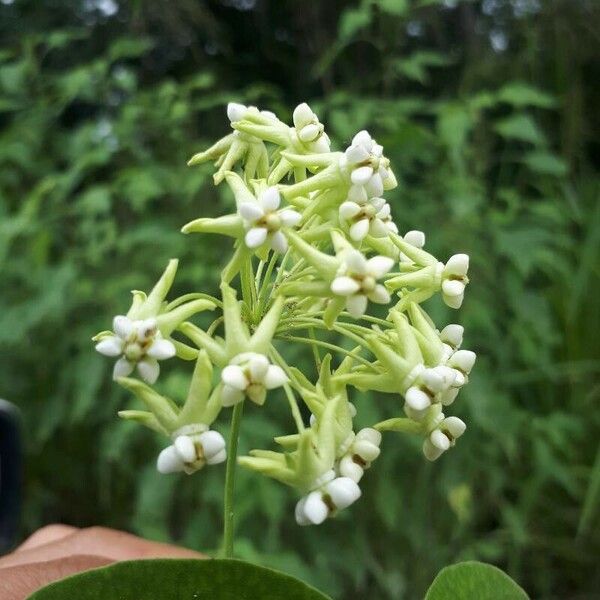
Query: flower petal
x=453 y=287
x=213 y=444
x=379 y=265
x=463 y=360
x=356 y=154
x=122 y=326
x=415 y=238
x=258 y=366
x=278 y=242
x=122 y=368
x=110 y=346
x=250 y=211
x=234 y=376
x=256 y=237
x=351 y=469
x=361 y=175
x=185 y=448
x=235 y=111
x=309 y=132
x=349 y=209
x=430 y=451
x=359 y=230
x=357 y=194
x=380 y=295
x=357 y=305
x=374 y=186
x=344 y=286
x=452 y=334
x=355 y=262
x=315 y=509
x=275 y=377
x=364 y=139
x=289 y=217
x=148 y=369
x=458 y=264
x=439 y=440
x=270 y=199
x=231 y=396
x=161 y=349
x=303 y=115
x=417 y=399
x=343 y=492
x=169 y=461
x=455 y=426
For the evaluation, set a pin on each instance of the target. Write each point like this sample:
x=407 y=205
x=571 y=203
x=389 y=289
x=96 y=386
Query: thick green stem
x=228 y=512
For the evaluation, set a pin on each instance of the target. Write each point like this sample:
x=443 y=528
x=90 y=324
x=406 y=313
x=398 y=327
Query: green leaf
x=170 y=579
x=546 y=163
x=520 y=127
x=472 y=579
x=520 y=94
x=353 y=20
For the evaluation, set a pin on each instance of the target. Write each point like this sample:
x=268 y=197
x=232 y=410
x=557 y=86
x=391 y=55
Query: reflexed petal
x=379 y=265
x=250 y=211
x=363 y=138
x=374 y=186
x=279 y=242
x=452 y=334
x=234 y=376
x=415 y=238
x=361 y=175
x=148 y=369
x=235 y=111
x=185 y=448
x=217 y=458
x=289 y=217
x=344 y=286
x=377 y=149
x=169 y=461
x=356 y=154
x=359 y=230
x=231 y=396
x=315 y=509
x=417 y=399
x=449 y=396
x=309 y=132
x=380 y=295
x=434 y=380
x=343 y=492
x=366 y=450
x=110 y=346
x=275 y=377
x=213 y=443
x=370 y=435
x=453 y=287
x=439 y=440
x=358 y=194
x=430 y=451
x=378 y=203
x=448 y=375
x=258 y=366
x=348 y=468
x=453 y=301
x=270 y=199
x=161 y=349
x=122 y=326
x=122 y=368
x=357 y=305
x=458 y=264
x=299 y=513
x=349 y=209
x=463 y=360
x=385 y=211
x=455 y=426
x=256 y=237
x=303 y=115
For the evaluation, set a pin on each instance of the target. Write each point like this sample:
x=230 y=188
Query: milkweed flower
x=357 y=280
x=372 y=217
x=443 y=436
x=137 y=344
x=454 y=280
x=363 y=450
x=263 y=221
x=309 y=129
x=192 y=451
x=250 y=374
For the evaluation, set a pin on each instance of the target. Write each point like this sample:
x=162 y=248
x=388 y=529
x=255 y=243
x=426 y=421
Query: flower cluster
x=317 y=260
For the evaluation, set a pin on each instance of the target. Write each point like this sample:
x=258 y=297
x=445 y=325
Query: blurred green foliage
x=488 y=111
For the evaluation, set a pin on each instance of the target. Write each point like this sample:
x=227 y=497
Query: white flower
x=137 y=343
x=190 y=452
x=319 y=504
x=443 y=436
x=362 y=452
x=414 y=238
x=263 y=221
x=431 y=386
x=454 y=280
x=357 y=280
x=461 y=361
x=236 y=112
x=374 y=217
x=309 y=130
x=369 y=169
x=250 y=374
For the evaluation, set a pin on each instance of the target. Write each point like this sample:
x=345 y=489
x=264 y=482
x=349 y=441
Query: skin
x=56 y=551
